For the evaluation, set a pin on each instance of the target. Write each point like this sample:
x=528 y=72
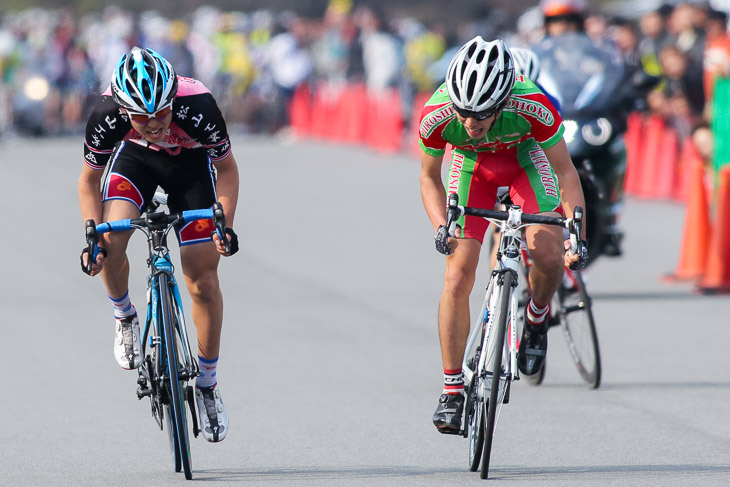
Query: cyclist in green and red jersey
x=504 y=132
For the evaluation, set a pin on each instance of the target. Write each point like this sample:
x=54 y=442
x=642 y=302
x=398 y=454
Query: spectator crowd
x=53 y=64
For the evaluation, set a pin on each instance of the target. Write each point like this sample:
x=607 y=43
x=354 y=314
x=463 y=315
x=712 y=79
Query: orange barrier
x=652 y=158
x=697 y=230
x=688 y=158
x=632 y=139
x=717 y=271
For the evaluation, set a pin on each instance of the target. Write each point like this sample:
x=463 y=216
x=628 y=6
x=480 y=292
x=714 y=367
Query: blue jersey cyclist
x=152 y=128
x=504 y=132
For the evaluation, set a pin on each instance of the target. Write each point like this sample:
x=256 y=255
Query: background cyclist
x=153 y=128
x=504 y=132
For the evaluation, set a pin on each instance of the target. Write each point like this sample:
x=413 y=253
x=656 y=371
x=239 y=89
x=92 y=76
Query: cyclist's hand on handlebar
x=577 y=260
x=98 y=263
x=444 y=243
x=220 y=244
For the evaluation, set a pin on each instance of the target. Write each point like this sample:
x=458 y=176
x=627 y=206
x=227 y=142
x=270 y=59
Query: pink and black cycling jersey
x=196 y=122
x=182 y=163
x=509 y=154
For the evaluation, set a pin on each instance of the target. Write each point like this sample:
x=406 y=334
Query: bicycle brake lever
x=219 y=220
x=92 y=240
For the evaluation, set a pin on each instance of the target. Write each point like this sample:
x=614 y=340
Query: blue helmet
x=143 y=81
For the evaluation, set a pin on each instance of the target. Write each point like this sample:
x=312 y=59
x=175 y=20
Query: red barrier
x=354 y=106
x=300 y=109
x=717 y=271
x=385 y=121
x=412 y=136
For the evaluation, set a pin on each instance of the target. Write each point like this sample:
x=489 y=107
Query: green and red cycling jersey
x=528 y=115
x=510 y=154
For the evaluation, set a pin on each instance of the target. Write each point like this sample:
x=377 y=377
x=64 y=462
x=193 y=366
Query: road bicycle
x=490 y=358
x=168 y=363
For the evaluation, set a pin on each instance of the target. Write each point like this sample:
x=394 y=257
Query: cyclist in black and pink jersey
x=153 y=128
x=504 y=132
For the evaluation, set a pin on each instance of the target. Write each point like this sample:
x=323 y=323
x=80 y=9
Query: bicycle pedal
x=143 y=392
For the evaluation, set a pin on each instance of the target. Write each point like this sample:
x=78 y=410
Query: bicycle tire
x=177 y=405
x=475 y=421
x=576 y=316
x=499 y=369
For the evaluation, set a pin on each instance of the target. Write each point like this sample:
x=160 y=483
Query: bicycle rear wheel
x=576 y=316
x=498 y=377
x=175 y=385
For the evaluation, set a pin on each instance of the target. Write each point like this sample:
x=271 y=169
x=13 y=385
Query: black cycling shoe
x=533 y=348
x=447 y=417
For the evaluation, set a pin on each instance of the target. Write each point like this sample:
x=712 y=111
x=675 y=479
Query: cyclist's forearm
x=433 y=192
x=434 y=201
x=571 y=194
x=89 y=189
x=227 y=188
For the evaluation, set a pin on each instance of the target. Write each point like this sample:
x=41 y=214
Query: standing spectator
x=717 y=51
x=685 y=35
x=381 y=52
x=288 y=64
x=653 y=36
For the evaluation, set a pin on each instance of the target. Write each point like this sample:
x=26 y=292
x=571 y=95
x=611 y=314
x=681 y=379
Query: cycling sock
x=453 y=381
x=536 y=314
x=207 y=377
x=123 y=306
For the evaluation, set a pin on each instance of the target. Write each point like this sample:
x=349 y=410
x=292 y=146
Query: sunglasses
x=479 y=116
x=143 y=118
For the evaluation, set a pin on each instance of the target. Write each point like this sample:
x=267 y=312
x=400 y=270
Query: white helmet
x=481 y=75
x=526 y=62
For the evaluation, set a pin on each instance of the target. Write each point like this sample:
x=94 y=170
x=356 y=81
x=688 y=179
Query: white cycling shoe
x=212 y=412
x=127 y=346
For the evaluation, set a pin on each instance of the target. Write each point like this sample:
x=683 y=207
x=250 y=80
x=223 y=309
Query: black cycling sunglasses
x=479 y=116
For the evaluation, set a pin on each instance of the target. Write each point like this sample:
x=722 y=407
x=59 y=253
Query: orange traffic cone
x=697 y=230
x=717 y=270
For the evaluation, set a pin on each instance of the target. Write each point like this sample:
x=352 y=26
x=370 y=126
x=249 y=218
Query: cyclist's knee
x=459 y=280
x=204 y=287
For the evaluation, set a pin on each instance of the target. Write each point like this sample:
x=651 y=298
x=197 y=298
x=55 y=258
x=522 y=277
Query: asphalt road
x=330 y=365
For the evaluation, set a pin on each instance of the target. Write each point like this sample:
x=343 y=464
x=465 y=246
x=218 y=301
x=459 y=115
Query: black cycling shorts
x=187 y=177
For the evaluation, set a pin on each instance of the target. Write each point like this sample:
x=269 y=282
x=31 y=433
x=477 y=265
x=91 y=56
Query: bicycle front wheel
x=576 y=316
x=475 y=416
x=175 y=385
x=498 y=368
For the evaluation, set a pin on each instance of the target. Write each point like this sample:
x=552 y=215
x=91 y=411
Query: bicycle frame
x=508 y=259
x=162 y=277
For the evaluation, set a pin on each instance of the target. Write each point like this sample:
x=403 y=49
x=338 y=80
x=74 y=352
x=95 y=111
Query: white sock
x=123 y=306
x=207 y=377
